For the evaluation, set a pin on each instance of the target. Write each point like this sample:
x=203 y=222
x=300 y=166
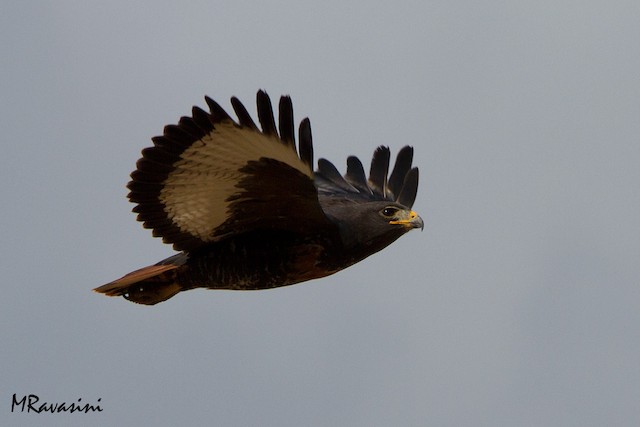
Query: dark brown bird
x=246 y=210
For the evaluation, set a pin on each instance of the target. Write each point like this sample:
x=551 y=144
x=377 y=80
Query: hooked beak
x=412 y=220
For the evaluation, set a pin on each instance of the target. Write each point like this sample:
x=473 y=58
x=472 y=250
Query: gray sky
x=517 y=305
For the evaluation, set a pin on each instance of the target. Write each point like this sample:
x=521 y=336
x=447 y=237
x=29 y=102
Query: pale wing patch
x=196 y=193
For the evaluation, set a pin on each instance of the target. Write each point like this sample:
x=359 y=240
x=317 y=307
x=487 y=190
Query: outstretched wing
x=208 y=176
x=400 y=187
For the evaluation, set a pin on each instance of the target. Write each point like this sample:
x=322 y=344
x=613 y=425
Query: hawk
x=246 y=210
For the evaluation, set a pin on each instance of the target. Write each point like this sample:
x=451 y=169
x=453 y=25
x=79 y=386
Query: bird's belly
x=253 y=268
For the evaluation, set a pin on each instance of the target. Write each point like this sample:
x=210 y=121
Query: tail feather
x=149 y=285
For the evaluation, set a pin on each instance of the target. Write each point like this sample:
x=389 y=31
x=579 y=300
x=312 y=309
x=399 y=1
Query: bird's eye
x=389 y=212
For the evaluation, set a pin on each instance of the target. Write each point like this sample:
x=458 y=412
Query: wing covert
x=209 y=177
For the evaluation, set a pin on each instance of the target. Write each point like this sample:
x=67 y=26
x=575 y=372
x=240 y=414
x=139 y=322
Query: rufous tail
x=148 y=285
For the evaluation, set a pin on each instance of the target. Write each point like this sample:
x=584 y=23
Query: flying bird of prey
x=246 y=210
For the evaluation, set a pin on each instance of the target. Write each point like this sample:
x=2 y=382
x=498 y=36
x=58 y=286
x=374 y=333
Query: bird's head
x=370 y=212
x=369 y=226
x=398 y=215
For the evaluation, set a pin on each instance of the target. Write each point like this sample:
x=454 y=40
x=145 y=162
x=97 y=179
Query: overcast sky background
x=517 y=306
